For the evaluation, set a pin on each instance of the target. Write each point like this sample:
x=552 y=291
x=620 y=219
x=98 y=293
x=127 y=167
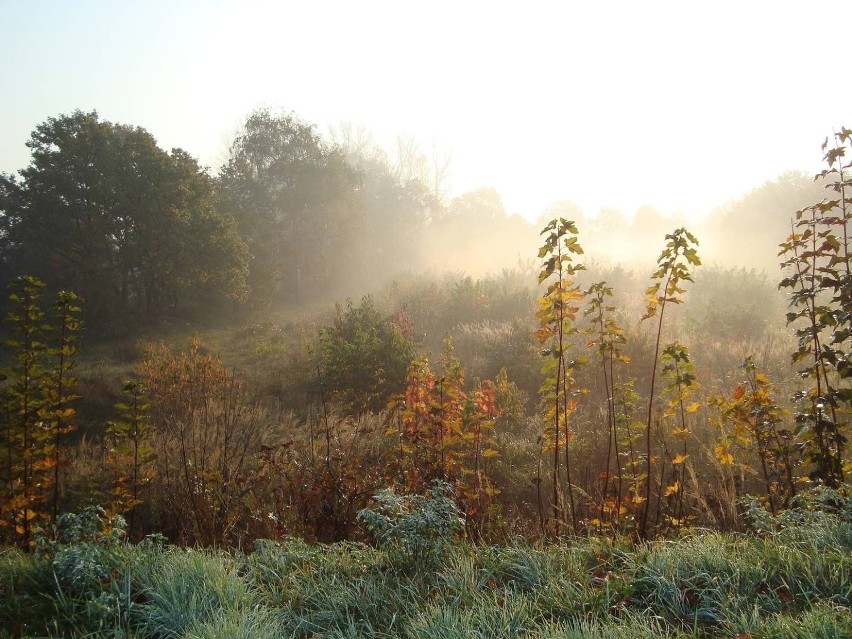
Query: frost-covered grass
x=791 y=578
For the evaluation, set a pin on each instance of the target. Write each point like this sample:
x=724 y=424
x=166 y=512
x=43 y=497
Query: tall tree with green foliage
x=296 y=201
x=396 y=210
x=103 y=211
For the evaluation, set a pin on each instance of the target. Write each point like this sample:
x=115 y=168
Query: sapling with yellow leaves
x=672 y=272
x=752 y=422
x=38 y=408
x=607 y=337
x=557 y=313
x=681 y=384
x=58 y=412
x=131 y=451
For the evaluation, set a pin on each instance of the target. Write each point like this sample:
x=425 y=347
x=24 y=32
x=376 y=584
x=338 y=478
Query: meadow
x=569 y=447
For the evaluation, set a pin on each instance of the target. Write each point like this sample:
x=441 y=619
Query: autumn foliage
x=445 y=432
x=630 y=435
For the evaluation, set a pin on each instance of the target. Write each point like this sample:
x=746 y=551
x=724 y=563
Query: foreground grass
x=791 y=578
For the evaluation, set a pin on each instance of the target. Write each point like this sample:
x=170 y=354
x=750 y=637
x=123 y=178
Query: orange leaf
x=673 y=489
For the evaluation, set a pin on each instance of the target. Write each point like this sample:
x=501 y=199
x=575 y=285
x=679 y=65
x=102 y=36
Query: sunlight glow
x=673 y=104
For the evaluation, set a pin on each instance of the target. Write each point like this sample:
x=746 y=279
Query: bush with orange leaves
x=444 y=432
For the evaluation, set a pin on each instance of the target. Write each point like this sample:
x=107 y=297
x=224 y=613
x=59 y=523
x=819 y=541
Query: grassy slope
x=791 y=579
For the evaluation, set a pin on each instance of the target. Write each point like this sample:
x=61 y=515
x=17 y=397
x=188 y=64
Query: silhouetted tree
x=752 y=226
x=105 y=212
x=396 y=213
x=295 y=198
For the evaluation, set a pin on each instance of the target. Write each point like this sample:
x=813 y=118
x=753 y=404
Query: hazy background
x=379 y=174
x=681 y=105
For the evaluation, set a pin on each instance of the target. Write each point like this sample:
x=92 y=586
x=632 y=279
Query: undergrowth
x=789 y=577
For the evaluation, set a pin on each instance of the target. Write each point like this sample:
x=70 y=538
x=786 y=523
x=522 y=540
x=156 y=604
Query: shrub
x=208 y=429
x=363 y=357
x=417 y=531
x=91 y=566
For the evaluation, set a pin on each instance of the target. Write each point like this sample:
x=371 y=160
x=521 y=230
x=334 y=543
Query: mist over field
x=336 y=275
x=425 y=319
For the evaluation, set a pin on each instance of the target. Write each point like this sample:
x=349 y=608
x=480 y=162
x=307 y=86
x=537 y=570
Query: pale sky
x=682 y=105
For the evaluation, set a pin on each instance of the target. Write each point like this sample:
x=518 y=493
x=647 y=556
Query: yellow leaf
x=679 y=459
x=673 y=489
x=490 y=452
x=65 y=414
x=724 y=455
x=693 y=407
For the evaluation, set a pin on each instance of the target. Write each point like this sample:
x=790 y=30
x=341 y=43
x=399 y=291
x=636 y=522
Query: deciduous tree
x=295 y=198
x=103 y=211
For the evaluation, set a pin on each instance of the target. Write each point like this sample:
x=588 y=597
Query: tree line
x=143 y=234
